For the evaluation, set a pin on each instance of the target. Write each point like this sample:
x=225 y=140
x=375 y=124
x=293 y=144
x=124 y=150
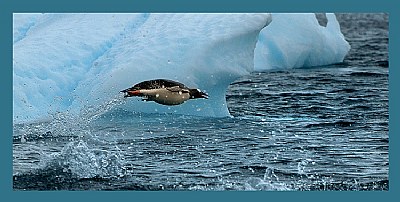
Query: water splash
x=90 y=113
x=84 y=161
x=69 y=135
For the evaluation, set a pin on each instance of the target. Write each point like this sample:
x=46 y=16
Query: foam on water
x=70 y=62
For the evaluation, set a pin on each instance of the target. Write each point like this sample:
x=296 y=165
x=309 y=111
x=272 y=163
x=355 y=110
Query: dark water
x=322 y=128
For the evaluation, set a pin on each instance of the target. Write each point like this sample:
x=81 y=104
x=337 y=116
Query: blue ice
x=67 y=62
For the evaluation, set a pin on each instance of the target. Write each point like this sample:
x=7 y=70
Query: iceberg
x=69 y=62
x=297 y=40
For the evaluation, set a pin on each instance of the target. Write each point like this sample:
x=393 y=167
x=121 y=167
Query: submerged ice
x=67 y=62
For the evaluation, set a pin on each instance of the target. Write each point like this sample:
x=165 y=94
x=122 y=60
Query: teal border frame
x=8 y=7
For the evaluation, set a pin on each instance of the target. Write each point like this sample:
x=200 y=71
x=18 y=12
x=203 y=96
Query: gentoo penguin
x=163 y=91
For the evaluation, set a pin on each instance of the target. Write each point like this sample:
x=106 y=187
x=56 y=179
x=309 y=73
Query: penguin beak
x=204 y=95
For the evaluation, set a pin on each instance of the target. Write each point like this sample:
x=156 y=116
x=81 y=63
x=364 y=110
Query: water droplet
x=23 y=139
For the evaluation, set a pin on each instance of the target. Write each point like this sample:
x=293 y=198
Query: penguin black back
x=155 y=84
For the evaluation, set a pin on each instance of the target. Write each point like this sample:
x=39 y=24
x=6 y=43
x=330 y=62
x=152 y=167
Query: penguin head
x=197 y=93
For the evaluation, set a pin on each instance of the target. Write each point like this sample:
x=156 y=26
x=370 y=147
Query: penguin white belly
x=165 y=97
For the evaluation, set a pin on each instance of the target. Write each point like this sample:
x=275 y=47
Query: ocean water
x=319 y=128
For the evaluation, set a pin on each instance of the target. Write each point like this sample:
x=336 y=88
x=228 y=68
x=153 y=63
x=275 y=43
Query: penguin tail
x=130 y=92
